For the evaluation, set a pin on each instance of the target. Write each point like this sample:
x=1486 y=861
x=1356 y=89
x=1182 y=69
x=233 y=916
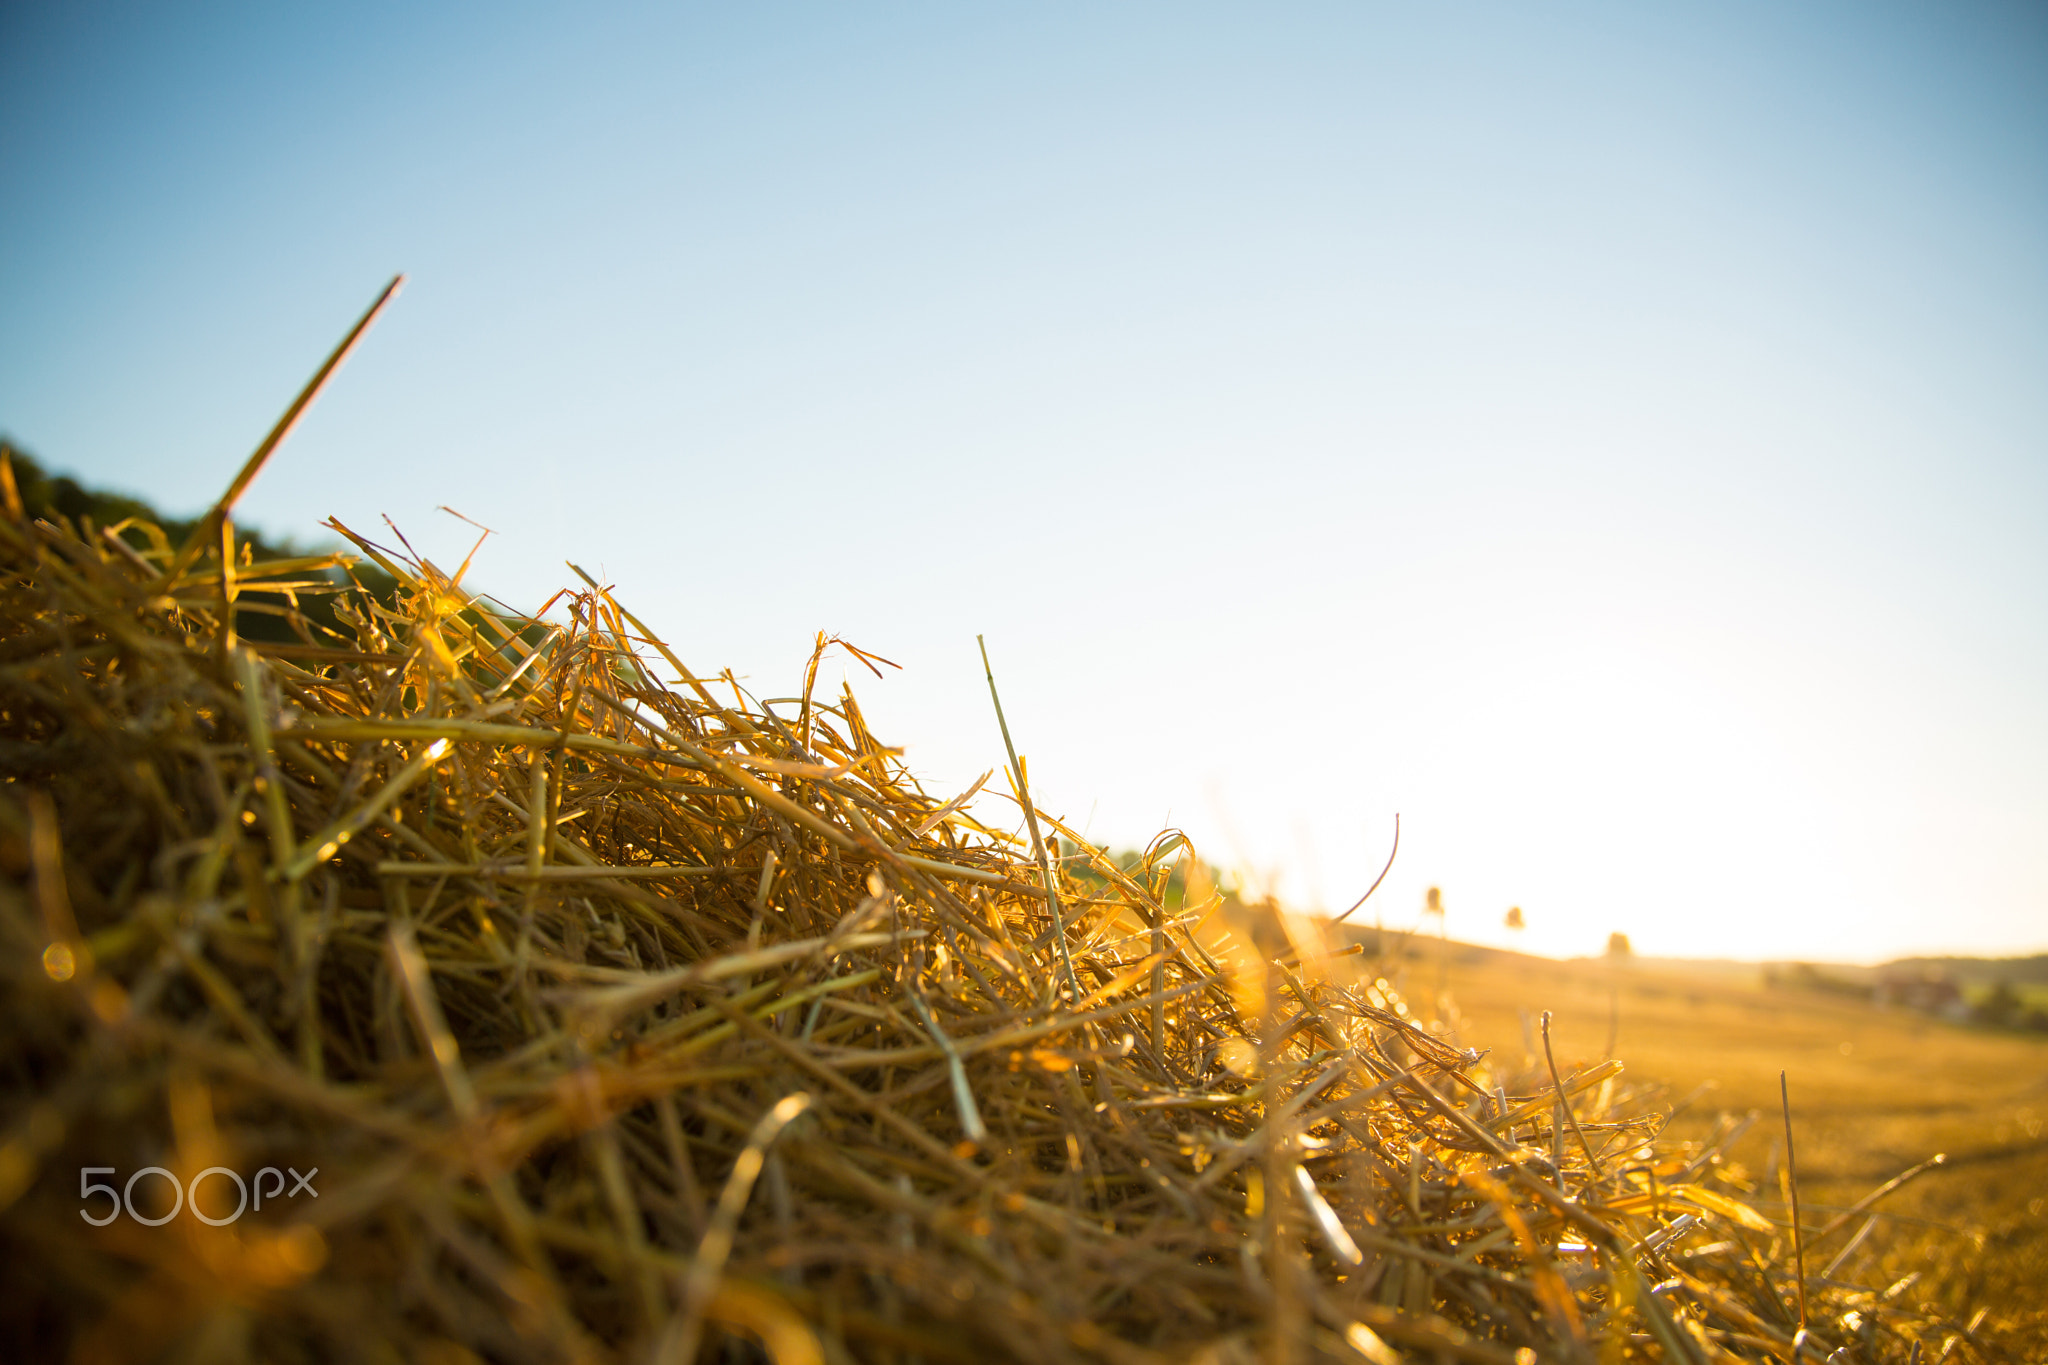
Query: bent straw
x=1360 y=902
x=963 y=1095
x=1563 y=1101
x=701 y=1279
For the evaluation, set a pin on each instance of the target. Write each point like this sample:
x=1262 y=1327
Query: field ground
x=1873 y=1093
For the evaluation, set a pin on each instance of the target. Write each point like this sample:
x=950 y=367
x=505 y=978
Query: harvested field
x=623 y=1016
x=1876 y=1093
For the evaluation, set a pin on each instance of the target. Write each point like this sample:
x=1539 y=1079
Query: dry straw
x=629 y=1019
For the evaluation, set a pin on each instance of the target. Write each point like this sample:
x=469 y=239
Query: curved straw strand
x=685 y=1331
x=1376 y=880
x=1565 y=1101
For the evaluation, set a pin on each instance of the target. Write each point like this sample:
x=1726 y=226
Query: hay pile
x=635 y=1020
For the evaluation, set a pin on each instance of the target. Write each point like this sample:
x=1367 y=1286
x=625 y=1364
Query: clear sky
x=1613 y=437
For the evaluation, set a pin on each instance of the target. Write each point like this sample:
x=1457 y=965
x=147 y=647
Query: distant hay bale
x=607 y=1017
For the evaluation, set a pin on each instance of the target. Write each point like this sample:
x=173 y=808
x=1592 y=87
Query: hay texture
x=626 y=1017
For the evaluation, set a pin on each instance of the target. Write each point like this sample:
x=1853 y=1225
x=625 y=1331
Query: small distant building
x=1925 y=992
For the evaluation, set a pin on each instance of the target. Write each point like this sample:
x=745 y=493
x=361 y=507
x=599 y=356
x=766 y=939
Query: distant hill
x=1967 y=971
x=55 y=496
x=1982 y=971
x=61 y=498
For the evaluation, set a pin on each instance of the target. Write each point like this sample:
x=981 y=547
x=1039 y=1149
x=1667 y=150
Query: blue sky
x=1614 y=438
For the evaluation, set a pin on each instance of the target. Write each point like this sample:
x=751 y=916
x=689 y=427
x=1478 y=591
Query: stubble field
x=1874 y=1093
